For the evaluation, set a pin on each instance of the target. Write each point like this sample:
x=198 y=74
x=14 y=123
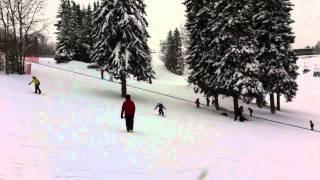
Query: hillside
x=74 y=131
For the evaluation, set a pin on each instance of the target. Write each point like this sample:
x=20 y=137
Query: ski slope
x=74 y=131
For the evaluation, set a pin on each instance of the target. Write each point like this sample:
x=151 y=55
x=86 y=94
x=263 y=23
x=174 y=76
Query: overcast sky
x=164 y=15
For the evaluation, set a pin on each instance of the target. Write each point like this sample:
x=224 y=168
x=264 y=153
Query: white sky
x=164 y=15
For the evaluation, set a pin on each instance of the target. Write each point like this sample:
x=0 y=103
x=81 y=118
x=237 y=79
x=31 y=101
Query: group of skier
x=128 y=108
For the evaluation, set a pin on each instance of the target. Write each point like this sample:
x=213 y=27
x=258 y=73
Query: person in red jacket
x=128 y=109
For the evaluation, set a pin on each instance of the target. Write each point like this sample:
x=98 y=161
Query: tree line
x=74 y=32
x=242 y=49
x=237 y=48
x=113 y=37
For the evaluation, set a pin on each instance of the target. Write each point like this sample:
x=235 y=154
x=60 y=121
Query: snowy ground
x=75 y=131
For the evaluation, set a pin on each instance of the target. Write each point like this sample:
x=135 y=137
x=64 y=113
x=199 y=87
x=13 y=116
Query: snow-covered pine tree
x=86 y=39
x=179 y=69
x=96 y=5
x=171 y=52
x=278 y=69
x=163 y=50
x=233 y=51
x=125 y=36
x=170 y=59
x=65 y=51
x=76 y=28
x=100 y=51
x=199 y=58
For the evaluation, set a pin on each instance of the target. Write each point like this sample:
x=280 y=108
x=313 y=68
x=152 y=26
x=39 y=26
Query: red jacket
x=128 y=108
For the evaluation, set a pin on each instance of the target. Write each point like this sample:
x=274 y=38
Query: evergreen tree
x=124 y=35
x=100 y=52
x=76 y=28
x=179 y=68
x=170 y=60
x=86 y=41
x=74 y=32
x=171 y=52
x=163 y=50
x=200 y=58
x=65 y=51
x=278 y=69
x=235 y=70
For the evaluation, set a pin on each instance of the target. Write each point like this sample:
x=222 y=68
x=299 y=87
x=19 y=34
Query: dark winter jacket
x=128 y=108
x=197 y=101
x=160 y=106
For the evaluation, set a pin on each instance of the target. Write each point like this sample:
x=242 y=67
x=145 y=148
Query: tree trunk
x=21 y=39
x=123 y=86
x=272 y=106
x=235 y=104
x=7 y=48
x=278 y=102
x=216 y=101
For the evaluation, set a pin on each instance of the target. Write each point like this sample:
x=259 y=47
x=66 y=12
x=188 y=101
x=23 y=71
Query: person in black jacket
x=239 y=114
x=208 y=101
x=250 y=110
x=197 y=103
x=161 y=107
x=311 y=125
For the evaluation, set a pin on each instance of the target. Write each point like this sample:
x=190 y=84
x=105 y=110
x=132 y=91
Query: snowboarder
x=311 y=125
x=102 y=73
x=161 y=107
x=36 y=82
x=198 y=103
x=208 y=101
x=251 y=111
x=239 y=114
x=128 y=108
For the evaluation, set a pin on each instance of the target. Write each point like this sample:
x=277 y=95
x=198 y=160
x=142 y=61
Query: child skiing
x=161 y=107
x=36 y=84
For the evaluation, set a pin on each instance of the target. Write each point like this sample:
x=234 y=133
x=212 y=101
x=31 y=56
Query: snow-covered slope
x=75 y=131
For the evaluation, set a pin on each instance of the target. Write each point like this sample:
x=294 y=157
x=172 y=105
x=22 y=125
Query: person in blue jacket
x=161 y=107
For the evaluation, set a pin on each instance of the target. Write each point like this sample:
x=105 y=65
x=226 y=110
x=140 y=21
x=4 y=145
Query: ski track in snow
x=74 y=131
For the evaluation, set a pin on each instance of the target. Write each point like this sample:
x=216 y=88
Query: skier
x=311 y=125
x=197 y=103
x=250 y=110
x=208 y=101
x=128 y=108
x=161 y=107
x=36 y=84
x=239 y=114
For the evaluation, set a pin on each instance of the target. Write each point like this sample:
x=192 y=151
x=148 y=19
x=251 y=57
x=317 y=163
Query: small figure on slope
x=129 y=109
x=213 y=101
x=208 y=101
x=161 y=107
x=311 y=125
x=197 y=103
x=250 y=110
x=239 y=114
x=102 y=73
x=36 y=84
